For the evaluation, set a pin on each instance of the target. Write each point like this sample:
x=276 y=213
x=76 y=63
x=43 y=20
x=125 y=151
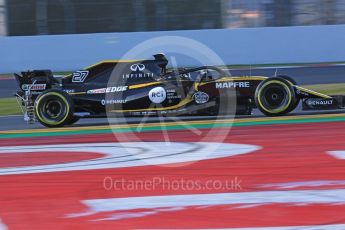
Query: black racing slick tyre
x=275 y=97
x=54 y=108
x=293 y=82
x=289 y=79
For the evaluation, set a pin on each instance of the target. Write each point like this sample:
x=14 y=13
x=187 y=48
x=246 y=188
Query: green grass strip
x=329 y=89
x=9 y=106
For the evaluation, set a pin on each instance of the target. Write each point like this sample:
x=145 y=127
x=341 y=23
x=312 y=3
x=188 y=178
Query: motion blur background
x=43 y=17
x=87 y=31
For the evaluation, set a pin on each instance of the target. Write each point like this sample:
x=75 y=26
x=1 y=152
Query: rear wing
x=36 y=80
x=31 y=84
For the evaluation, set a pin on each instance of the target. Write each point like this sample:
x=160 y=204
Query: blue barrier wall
x=234 y=46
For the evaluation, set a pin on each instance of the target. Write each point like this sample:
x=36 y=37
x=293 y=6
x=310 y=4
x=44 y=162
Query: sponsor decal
x=233 y=84
x=139 y=72
x=137 y=67
x=116 y=89
x=299 y=92
x=201 y=97
x=137 y=75
x=172 y=94
x=26 y=87
x=108 y=90
x=186 y=75
x=69 y=90
x=316 y=102
x=147 y=113
x=96 y=91
x=112 y=102
x=143 y=113
x=80 y=76
x=157 y=95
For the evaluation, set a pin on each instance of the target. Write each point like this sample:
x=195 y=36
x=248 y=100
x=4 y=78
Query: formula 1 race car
x=148 y=88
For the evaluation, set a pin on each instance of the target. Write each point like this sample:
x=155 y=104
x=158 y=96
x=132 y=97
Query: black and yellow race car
x=148 y=88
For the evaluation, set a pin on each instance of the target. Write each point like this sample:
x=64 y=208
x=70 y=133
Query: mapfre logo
x=80 y=76
x=138 y=67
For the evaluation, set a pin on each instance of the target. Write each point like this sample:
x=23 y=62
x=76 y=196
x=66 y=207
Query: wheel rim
x=275 y=97
x=52 y=109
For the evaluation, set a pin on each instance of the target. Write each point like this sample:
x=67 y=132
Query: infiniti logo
x=138 y=67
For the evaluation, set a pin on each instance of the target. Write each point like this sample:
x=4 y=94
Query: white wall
x=236 y=46
x=2 y=18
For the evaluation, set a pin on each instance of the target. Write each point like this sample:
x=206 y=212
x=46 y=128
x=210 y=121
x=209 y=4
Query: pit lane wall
x=310 y=44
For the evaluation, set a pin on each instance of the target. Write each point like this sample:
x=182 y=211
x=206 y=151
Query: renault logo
x=138 y=67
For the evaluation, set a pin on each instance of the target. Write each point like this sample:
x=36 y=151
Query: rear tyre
x=54 y=108
x=275 y=97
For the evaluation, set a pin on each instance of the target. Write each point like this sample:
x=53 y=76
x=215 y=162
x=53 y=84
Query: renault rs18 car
x=147 y=87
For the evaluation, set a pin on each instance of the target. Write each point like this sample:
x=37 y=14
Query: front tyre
x=54 y=108
x=289 y=79
x=275 y=97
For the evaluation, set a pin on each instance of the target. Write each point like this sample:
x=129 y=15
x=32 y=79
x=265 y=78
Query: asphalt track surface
x=303 y=76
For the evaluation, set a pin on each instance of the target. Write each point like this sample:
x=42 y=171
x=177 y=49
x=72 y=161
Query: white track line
x=335 y=196
x=126 y=154
x=2 y=225
x=337 y=154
